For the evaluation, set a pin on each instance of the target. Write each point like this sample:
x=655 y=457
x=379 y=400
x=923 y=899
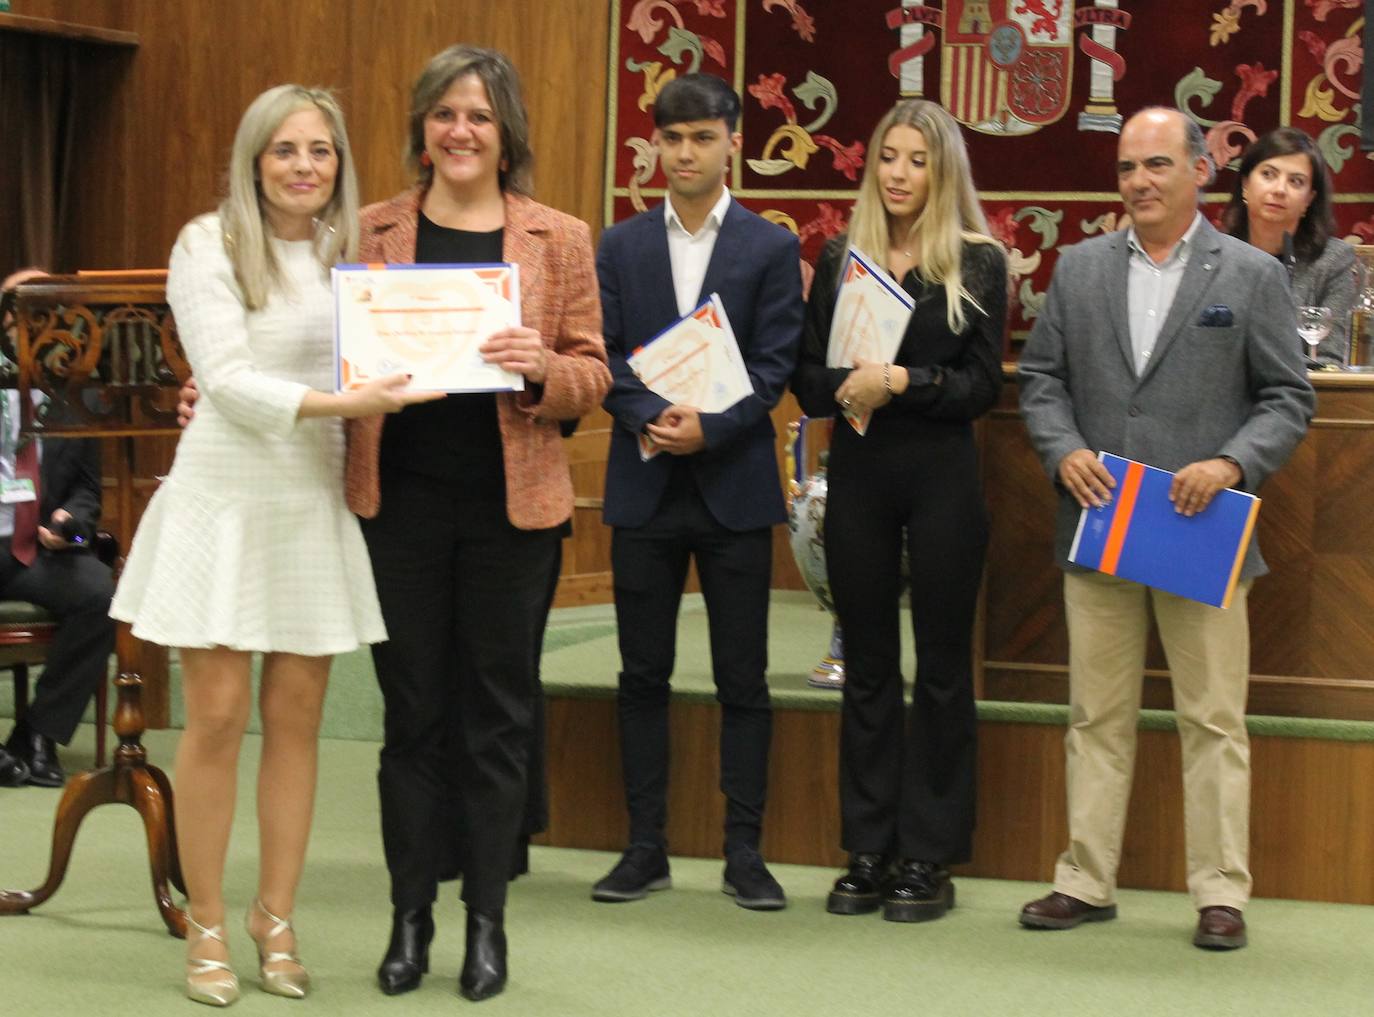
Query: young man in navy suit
x=713 y=492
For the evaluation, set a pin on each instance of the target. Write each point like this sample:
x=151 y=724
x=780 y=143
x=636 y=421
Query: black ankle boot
x=407 y=955
x=484 y=960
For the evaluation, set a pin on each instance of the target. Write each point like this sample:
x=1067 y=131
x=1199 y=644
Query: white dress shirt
x=1150 y=290
x=690 y=253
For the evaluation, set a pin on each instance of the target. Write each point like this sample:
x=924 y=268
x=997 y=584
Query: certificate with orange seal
x=871 y=315
x=694 y=362
x=425 y=320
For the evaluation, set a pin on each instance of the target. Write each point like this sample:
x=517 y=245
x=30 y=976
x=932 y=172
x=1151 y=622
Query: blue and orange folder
x=1140 y=537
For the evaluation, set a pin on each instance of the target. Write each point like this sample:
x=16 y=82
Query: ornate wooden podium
x=102 y=348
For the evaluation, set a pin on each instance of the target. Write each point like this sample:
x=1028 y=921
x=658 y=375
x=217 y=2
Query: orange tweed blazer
x=559 y=297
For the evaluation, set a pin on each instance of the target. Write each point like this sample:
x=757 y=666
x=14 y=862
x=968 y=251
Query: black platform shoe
x=484 y=959
x=407 y=955
x=859 y=890
x=919 y=892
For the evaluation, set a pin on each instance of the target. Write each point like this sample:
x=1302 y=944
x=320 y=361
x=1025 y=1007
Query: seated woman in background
x=1284 y=186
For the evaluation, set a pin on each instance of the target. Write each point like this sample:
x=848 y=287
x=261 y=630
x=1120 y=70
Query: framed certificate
x=426 y=320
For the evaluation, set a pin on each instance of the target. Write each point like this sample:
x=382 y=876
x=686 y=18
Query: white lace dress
x=248 y=543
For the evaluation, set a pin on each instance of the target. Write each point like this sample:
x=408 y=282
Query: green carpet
x=581 y=658
x=98 y=945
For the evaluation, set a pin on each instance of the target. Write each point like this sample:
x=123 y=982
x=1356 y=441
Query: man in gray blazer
x=1177 y=346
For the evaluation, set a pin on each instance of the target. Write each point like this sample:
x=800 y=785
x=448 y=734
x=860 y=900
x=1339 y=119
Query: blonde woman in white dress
x=247 y=546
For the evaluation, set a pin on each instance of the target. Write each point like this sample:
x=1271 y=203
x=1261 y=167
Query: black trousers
x=649 y=565
x=464 y=595
x=907 y=784
x=76 y=587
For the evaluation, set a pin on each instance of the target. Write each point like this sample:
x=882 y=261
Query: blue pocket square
x=1216 y=316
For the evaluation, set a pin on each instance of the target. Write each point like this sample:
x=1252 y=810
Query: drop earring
x=425 y=160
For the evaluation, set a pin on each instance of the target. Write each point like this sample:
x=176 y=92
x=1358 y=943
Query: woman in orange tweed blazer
x=463 y=511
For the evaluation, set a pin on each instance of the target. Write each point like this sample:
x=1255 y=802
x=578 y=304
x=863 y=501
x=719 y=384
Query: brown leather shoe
x=1060 y=911
x=1219 y=928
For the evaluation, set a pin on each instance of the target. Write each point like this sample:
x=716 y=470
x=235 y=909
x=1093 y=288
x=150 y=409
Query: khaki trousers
x=1208 y=652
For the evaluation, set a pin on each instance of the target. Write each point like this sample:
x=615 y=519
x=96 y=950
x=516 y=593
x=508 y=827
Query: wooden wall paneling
x=116 y=14
x=99 y=235
x=586 y=796
x=1310 y=817
x=801 y=823
x=1024 y=618
x=561 y=57
x=199 y=66
x=1320 y=794
x=201 y=63
x=1282 y=601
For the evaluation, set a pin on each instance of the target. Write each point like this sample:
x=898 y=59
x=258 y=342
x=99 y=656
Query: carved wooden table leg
x=132 y=781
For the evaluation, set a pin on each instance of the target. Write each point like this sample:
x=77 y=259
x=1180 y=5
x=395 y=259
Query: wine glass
x=1314 y=325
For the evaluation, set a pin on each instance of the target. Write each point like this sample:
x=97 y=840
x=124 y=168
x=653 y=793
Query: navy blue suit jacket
x=756 y=269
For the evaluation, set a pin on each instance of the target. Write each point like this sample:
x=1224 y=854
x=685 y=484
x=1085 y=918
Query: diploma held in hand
x=871 y=315
x=426 y=320
x=694 y=362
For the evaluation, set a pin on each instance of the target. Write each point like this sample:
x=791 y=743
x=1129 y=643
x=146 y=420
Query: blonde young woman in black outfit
x=907 y=785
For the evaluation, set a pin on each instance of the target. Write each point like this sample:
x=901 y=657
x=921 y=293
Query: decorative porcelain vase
x=806 y=523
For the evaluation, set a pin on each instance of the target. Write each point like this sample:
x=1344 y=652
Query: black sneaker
x=859 y=890
x=748 y=880
x=919 y=892
x=643 y=867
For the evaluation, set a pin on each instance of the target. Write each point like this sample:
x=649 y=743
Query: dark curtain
x=1367 y=92
x=41 y=86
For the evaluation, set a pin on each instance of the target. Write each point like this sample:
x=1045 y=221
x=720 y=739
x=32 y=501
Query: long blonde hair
x=952 y=215
x=241 y=213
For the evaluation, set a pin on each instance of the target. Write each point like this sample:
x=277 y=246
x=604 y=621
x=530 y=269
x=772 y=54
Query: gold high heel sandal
x=216 y=992
x=293 y=984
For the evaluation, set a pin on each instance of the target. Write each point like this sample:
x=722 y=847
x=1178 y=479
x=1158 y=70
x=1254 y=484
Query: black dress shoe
x=484 y=959
x=39 y=753
x=642 y=868
x=919 y=892
x=860 y=889
x=14 y=772
x=407 y=955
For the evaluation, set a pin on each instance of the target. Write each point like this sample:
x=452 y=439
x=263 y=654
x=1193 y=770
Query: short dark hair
x=696 y=97
x=1318 y=223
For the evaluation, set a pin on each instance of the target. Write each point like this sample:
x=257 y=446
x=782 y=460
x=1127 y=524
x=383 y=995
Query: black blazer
x=69 y=478
x=756 y=269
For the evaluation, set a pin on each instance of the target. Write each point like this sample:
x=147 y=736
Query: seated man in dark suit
x=49 y=507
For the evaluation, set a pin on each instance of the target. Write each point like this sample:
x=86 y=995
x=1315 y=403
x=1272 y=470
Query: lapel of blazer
x=727 y=252
x=389 y=234
x=1203 y=264
x=1115 y=290
x=660 y=300
x=524 y=243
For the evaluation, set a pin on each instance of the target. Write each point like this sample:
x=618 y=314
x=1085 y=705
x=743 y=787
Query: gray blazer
x=1329 y=281
x=1225 y=378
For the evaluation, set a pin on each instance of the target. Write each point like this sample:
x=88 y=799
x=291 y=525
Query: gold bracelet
x=887 y=379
